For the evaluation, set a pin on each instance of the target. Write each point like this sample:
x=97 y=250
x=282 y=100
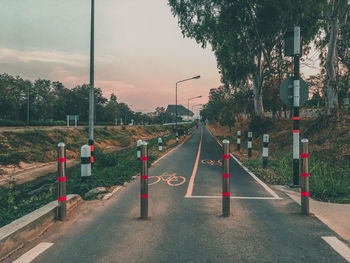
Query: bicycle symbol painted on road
x=211 y=162
x=170 y=179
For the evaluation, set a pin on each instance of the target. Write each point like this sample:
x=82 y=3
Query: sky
x=140 y=52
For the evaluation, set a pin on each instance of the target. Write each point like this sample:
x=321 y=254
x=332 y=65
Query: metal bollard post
x=184 y=133
x=238 y=140
x=160 y=144
x=226 y=179
x=265 y=153
x=138 y=154
x=85 y=162
x=305 y=195
x=250 y=138
x=62 y=198
x=144 y=181
x=91 y=143
x=177 y=137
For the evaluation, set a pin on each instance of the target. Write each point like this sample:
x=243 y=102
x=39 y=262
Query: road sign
x=292 y=43
x=286 y=92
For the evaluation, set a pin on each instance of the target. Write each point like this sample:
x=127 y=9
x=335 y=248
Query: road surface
x=185 y=222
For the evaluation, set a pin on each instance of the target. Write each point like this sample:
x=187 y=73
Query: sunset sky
x=139 y=50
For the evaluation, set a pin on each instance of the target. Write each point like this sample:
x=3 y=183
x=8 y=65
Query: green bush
x=11 y=123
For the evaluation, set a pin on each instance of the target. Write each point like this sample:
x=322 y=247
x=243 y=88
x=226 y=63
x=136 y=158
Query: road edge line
x=265 y=186
x=166 y=154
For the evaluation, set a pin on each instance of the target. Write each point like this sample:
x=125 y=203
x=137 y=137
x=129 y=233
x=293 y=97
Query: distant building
x=182 y=112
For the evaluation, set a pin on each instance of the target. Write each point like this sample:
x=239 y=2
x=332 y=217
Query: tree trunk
x=257 y=91
x=331 y=82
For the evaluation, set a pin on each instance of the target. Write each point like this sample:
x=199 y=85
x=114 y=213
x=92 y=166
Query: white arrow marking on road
x=33 y=253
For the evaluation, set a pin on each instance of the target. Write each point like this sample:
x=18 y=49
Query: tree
x=244 y=34
x=111 y=111
x=337 y=17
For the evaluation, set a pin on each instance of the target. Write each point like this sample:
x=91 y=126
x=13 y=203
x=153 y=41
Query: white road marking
x=195 y=168
x=268 y=189
x=33 y=253
x=237 y=197
x=338 y=246
x=156 y=161
x=107 y=196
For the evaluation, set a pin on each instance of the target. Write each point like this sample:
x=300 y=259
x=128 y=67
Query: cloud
x=44 y=56
x=74 y=59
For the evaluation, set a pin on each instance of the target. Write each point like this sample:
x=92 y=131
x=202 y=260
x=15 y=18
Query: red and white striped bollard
x=62 y=198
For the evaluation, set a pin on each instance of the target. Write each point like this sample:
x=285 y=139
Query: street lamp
x=91 y=91
x=196 y=77
x=188 y=103
x=195 y=106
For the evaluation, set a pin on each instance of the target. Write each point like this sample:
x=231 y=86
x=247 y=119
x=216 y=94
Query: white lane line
x=237 y=197
x=268 y=189
x=195 y=168
x=33 y=253
x=338 y=246
x=156 y=161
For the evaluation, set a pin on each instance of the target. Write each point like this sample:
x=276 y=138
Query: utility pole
x=91 y=94
x=296 y=106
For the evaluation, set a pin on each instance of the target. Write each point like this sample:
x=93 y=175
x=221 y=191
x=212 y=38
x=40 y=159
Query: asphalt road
x=263 y=227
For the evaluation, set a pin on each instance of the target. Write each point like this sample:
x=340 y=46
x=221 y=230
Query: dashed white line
x=33 y=253
x=338 y=246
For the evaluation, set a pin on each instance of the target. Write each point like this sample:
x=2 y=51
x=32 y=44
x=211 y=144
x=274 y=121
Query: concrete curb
x=14 y=235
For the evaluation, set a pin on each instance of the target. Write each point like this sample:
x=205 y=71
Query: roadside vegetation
x=49 y=102
x=329 y=149
x=110 y=169
x=18 y=147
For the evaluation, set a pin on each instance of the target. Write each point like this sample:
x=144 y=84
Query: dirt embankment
x=24 y=150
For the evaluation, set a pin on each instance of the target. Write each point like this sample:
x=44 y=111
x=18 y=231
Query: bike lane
x=115 y=233
x=190 y=229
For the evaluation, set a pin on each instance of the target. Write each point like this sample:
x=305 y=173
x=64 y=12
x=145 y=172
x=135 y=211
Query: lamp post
x=188 y=103
x=91 y=93
x=196 y=77
x=195 y=106
x=28 y=105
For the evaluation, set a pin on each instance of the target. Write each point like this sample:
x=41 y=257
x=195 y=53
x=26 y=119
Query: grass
x=40 y=145
x=329 y=182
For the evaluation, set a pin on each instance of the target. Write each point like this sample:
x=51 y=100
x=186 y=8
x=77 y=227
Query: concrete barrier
x=14 y=235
